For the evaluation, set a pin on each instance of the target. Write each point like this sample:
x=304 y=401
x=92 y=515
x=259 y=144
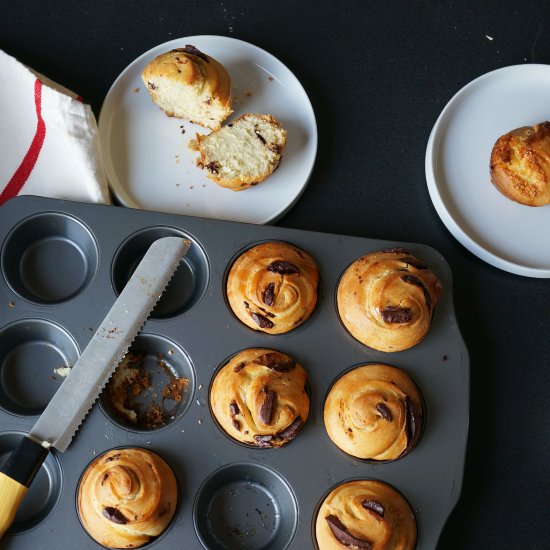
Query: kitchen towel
x=49 y=144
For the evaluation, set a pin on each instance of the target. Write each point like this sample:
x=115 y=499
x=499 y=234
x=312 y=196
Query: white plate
x=147 y=159
x=507 y=235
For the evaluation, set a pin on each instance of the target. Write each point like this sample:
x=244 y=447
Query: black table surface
x=378 y=74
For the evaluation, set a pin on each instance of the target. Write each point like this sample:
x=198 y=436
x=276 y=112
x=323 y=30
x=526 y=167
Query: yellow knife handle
x=11 y=495
x=16 y=476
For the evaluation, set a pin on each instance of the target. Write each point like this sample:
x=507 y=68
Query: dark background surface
x=378 y=74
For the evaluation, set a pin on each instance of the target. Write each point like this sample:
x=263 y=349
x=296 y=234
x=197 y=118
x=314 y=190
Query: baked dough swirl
x=259 y=397
x=520 y=164
x=386 y=299
x=272 y=287
x=365 y=514
x=126 y=497
x=374 y=412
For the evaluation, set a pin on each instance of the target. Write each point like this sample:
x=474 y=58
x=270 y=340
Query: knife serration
x=74 y=399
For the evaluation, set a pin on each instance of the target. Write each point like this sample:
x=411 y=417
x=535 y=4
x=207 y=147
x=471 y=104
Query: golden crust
x=386 y=299
x=369 y=510
x=259 y=397
x=374 y=412
x=520 y=164
x=186 y=68
x=126 y=497
x=272 y=287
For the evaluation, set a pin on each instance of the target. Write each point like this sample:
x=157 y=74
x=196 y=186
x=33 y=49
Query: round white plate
x=507 y=235
x=146 y=155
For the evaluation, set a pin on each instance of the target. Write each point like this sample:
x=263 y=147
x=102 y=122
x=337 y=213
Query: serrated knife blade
x=75 y=397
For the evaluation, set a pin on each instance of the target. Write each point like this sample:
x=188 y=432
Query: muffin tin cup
x=49 y=257
x=33 y=353
x=204 y=333
x=44 y=493
x=245 y=505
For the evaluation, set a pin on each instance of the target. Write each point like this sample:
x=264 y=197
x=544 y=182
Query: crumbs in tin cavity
x=62 y=371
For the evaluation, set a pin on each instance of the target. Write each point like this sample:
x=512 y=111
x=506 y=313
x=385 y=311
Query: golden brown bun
x=187 y=83
x=374 y=412
x=126 y=497
x=386 y=299
x=365 y=514
x=259 y=397
x=520 y=164
x=272 y=287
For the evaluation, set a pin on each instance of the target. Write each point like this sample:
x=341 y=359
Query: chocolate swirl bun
x=259 y=397
x=386 y=299
x=374 y=412
x=365 y=514
x=520 y=164
x=126 y=497
x=272 y=287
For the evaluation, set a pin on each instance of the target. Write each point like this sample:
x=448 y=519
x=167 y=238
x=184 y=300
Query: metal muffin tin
x=62 y=264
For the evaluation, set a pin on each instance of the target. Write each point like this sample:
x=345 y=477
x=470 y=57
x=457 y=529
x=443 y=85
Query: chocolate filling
x=114 y=515
x=283 y=268
x=374 y=506
x=396 y=314
x=261 y=321
x=396 y=250
x=384 y=412
x=276 y=361
x=340 y=531
x=193 y=51
x=269 y=294
x=266 y=410
x=413 y=280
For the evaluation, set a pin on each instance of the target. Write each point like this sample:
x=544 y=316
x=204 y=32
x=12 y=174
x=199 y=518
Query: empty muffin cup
x=35 y=357
x=49 y=258
x=187 y=285
x=43 y=493
x=152 y=386
x=245 y=505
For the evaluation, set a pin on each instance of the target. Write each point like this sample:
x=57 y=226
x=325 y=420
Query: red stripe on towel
x=22 y=174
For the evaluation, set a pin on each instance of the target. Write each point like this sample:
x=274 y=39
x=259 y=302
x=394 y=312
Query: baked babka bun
x=366 y=514
x=243 y=153
x=386 y=299
x=186 y=83
x=520 y=164
x=259 y=397
x=374 y=412
x=126 y=497
x=272 y=287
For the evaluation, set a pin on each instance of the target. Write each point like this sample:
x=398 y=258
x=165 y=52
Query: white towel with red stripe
x=49 y=144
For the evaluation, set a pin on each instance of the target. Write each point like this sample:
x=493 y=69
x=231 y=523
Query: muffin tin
x=62 y=265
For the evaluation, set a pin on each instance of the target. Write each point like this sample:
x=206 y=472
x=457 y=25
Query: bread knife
x=65 y=412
